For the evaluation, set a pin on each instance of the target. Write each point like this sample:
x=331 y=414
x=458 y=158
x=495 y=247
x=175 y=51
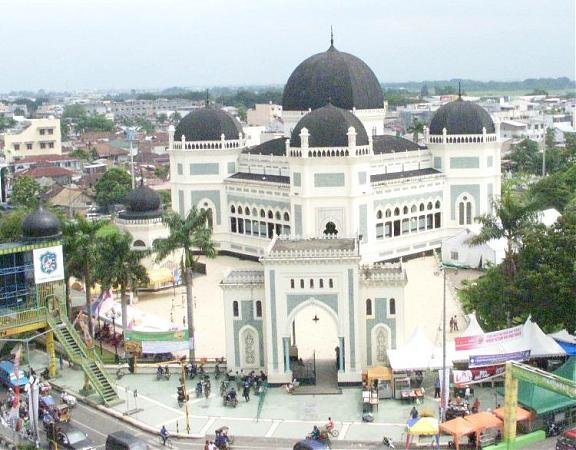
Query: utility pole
x=130 y=132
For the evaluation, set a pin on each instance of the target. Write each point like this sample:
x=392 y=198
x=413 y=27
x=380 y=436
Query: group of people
x=324 y=433
x=222 y=441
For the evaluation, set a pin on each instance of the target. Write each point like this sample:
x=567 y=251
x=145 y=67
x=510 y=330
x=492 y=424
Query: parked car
x=310 y=444
x=8 y=376
x=120 y=440
x=567 y=440
x=68 y=436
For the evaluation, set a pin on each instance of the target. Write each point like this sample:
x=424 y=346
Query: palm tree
x=416 y=128
x=119 y=267
x=510 y=220
x=81 y=250
x=192 y=235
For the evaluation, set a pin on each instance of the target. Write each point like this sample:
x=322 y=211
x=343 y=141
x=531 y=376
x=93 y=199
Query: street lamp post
x=444 y=377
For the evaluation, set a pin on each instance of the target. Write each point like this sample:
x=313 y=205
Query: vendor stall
x=422 y=426
x=458 y=428
x=380 y=378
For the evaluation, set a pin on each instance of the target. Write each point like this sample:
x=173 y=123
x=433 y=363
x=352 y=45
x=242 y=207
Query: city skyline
x=222 y=43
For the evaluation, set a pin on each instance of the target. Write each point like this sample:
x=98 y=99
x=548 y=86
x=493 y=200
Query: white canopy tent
x=418 y=353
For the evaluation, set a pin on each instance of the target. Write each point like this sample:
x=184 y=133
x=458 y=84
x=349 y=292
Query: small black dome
x=461 y=117
x=341 y=78
x=41 y=224
x=207 y=124
x=142 y=203
x=328 y=127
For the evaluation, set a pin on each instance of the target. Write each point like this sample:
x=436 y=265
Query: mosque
x=327 y=208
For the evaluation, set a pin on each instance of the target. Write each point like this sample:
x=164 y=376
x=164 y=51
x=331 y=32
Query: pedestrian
x=451 y=324
x=437 y=388
x=60 y=361
x=414 y=413
x=212 y=446
x=455 y=323
x=467 y=393
x=207 y=445
x=476 y=406
x=246 y=392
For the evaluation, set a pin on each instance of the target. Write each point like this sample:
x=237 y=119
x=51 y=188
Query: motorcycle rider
x=164 y=434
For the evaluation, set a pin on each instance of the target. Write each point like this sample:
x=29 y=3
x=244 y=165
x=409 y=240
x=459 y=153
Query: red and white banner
x=463 y=377
x=483 y=340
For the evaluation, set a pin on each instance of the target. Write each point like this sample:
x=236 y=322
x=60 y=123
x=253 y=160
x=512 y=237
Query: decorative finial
x=459 y=90
x=331 y=36
x=207 y=101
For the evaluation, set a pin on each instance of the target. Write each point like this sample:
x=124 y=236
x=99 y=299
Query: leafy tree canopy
x=113 y=187
x=26 y=192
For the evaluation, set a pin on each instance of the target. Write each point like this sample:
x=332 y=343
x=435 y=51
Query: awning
x=379 y=373
x=484 y=420
x=521 y=413
x=427 y=426
x=160 y=275
x=458 y=427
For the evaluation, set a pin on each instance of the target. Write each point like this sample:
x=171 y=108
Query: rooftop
x=326 y=244
x=393 y=144
x=406 y=174
x=261 y=177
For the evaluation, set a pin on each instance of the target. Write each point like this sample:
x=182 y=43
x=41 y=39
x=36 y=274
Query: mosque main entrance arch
x=314 y=351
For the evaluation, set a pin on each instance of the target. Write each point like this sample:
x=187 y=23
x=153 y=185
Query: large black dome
x=461 y=117
x=142 y=203
x=341 y=78
x=207 y=124
x=41 y=224
x=328 y=127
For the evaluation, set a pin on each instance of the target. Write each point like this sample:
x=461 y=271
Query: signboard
x=158 y=341
x=491 y=360
x=463 y=377
x=483 y=340
x=48 y=264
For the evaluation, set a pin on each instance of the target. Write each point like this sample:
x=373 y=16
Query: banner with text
x=492 y=360
x=483 y=340
x=462 y=377
x=159 y=341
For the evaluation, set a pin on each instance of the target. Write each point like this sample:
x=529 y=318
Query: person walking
x=455 y=321
x=437 y=387
x=414 y=413
x=451 y=324
x=246 y=392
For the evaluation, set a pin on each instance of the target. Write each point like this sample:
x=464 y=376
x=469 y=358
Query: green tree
x=416 y=129
x=162 y=171
x=510 y=220
x=550 y=138
x=11 y=225
x=166 y=199
x=145 y=124
x=188 y=234
x=527 y=157
x=81 y=153
x=74 y=112
x=113 y=187
x=162 y=118
x=119 y=266
x=81 y=252
x=175 y=117
x=64 y=129
x=26 y=192
x=6 y=122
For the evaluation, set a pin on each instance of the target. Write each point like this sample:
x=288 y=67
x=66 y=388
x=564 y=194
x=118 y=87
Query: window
x=248 y=226
x=286 y=217
x=429 y=205
x=321 y=282
x=405 y=210
x=42 y=145
x=233 y=224
x=330 y=229
x=454 y=256
x=405 y=226
x=232 y=209
x=465 y=211
x=311 y=283
x=437 y=204
x=16 y=146
x=278 y=216
x=292 y=283
x=379 y=214
x=368 y=307
x=270 y=214
x=179 y=169
x=379 y=231
x=28 y=146
x=50 y=131
x=437 y=220
x=235 y=309
x=51 y=145
x=262 y=213
x=42 y=131
x=241 y=226
x=396 y=211
x=247 y=211
x=392 y=307
x=388 y=229
x=258 y=308
x=301 y=284
x=330 y=283
x=413 y=209
x=388 y=213
x=421 y=206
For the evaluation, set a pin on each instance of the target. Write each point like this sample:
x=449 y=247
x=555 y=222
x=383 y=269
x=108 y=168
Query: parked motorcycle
x=69 y=399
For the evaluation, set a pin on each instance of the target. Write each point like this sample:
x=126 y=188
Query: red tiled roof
x=51 y=171
x=45 y=158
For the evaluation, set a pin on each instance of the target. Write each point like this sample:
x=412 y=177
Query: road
x=98 y=425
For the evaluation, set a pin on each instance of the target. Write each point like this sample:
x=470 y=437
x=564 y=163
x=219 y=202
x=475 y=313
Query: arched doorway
x=330 y=229
x=314 y=338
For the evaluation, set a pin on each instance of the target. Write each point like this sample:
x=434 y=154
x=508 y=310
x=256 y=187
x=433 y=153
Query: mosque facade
x=324 y=206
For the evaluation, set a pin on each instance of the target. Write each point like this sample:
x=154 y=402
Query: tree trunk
x=124 y=305
x=190 y=313
x=87 y=285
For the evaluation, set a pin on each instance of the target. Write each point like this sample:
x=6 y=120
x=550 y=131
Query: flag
x=17 y=352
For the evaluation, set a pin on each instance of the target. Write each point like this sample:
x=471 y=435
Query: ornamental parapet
x=208 y=145
x=251 y=277
x=313 y=248
x=461 y=138
x=151 y=221
x=329 y=152
x=382 y=272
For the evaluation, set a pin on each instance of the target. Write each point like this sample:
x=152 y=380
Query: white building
x=333 y=175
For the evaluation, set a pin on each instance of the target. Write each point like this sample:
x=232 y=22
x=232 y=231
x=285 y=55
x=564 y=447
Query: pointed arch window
x=235 y=309
x=258 y=308
x=368 y=307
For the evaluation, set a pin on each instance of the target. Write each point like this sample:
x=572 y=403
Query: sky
x=151 y=44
